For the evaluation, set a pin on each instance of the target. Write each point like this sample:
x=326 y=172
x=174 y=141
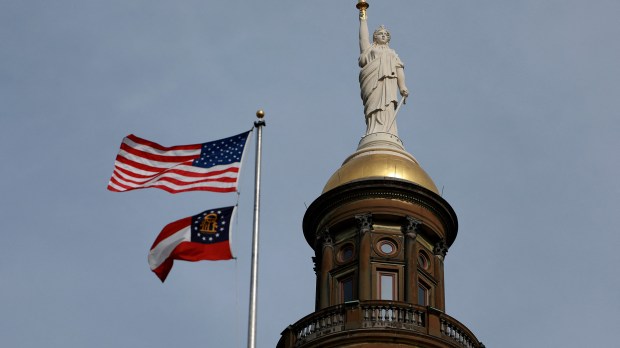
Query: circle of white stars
x=219 y=213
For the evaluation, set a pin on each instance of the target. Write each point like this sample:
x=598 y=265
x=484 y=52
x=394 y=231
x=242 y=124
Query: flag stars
x=222 y=152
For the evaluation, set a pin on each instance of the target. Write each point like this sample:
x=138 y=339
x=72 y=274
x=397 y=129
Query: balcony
x=378 y=321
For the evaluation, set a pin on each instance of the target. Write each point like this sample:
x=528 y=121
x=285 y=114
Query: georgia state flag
x=204 y=236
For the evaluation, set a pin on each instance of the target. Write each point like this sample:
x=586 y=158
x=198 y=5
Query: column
x=364 y=223
x=410 y=230
x=440 y=250
x=327 y=263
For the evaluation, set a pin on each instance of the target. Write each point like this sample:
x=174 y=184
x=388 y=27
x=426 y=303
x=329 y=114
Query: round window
x=423 y=261
x=387 y=247
x=346 y=252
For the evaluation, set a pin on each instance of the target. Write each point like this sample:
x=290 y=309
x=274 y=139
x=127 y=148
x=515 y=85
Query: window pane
x=387 y=248
x=387 y=286
x=346 y=287
x=422 y=295
x=346 y=253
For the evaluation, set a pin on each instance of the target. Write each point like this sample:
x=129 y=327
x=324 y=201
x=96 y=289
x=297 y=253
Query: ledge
x=378 y=321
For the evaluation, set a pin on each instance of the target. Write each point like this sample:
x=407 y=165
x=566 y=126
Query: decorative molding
x=328 y=239
x=390 y=189
x=316 y=266
x=364 y=222
x=441 y=249
x=410 y=230
x=325 y=238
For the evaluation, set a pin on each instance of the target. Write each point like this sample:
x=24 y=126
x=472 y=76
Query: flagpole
x=254 y=276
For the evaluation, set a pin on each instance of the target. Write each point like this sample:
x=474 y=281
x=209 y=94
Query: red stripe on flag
x=232 y=188
x=142 y=166
x=189 y=251
x=141 y=163
x=160 y=171
x=141 y=141
x=117 y=183
x=158 y=158
x=171 y=229
x=163 y=177
x=203 y=188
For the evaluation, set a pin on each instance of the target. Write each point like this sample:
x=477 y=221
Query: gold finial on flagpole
x=260 y=114
x=362 y=5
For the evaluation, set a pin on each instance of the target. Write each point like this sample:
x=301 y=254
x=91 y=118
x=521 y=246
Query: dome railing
x=378 y=315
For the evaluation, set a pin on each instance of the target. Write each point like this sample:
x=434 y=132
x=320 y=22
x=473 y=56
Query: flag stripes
x=204 y=236
x=212 y=166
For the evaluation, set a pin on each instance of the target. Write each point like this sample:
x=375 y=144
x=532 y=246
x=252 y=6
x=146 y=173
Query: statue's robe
x=379 y=87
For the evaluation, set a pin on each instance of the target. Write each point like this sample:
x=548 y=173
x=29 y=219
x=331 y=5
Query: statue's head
x=381 y=36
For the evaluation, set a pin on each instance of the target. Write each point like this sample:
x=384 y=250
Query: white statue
x=381 y=77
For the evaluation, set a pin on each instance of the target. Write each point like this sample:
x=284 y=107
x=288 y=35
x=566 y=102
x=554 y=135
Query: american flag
x=204 y=236
x=212 y=166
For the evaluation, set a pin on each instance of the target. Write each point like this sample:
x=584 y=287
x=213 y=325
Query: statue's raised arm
x=364 y=37
x=381 y=78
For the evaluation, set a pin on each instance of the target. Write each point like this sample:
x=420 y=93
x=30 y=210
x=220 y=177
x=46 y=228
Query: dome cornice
x=402 y=193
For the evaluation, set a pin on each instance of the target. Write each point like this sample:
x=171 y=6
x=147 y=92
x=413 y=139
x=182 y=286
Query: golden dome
x=380 y=164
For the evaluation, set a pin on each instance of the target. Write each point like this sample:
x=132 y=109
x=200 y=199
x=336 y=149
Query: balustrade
x=456 y=332
x=391 y=315
x=379 y=315
x=322 y=323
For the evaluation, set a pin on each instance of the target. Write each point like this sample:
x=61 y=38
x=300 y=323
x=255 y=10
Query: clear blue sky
x=514 y=113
